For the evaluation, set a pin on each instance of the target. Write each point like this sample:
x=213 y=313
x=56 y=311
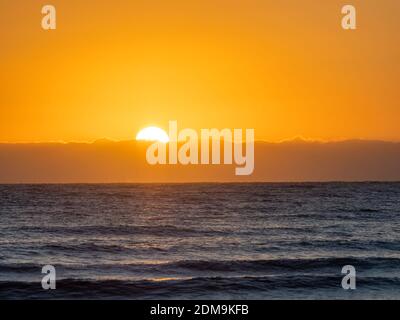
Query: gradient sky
x=285 y=68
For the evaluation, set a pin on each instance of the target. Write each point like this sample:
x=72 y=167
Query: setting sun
x=152 y=134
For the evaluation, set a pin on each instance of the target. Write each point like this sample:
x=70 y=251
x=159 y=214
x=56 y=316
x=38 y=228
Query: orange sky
x=285 y=68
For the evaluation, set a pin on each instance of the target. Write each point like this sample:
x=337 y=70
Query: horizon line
x=207 y=182
x=108 y=140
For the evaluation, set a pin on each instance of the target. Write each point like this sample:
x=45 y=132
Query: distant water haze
x=125 y=161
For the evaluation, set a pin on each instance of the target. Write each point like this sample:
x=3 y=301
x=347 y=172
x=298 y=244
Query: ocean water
x=200 y=241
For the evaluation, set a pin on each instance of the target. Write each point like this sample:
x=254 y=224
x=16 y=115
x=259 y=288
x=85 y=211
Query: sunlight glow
x=152 y=134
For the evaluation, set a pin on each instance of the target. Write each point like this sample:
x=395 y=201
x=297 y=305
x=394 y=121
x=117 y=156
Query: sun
x=152 y=134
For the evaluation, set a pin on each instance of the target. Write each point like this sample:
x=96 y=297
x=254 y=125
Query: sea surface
x=200 y=241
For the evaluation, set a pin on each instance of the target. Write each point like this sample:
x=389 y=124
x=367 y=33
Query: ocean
x=200 y=241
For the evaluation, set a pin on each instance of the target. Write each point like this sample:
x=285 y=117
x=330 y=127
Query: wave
x=210 y=287
x=85 y=247
x=120 y=230
x=281 y=265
